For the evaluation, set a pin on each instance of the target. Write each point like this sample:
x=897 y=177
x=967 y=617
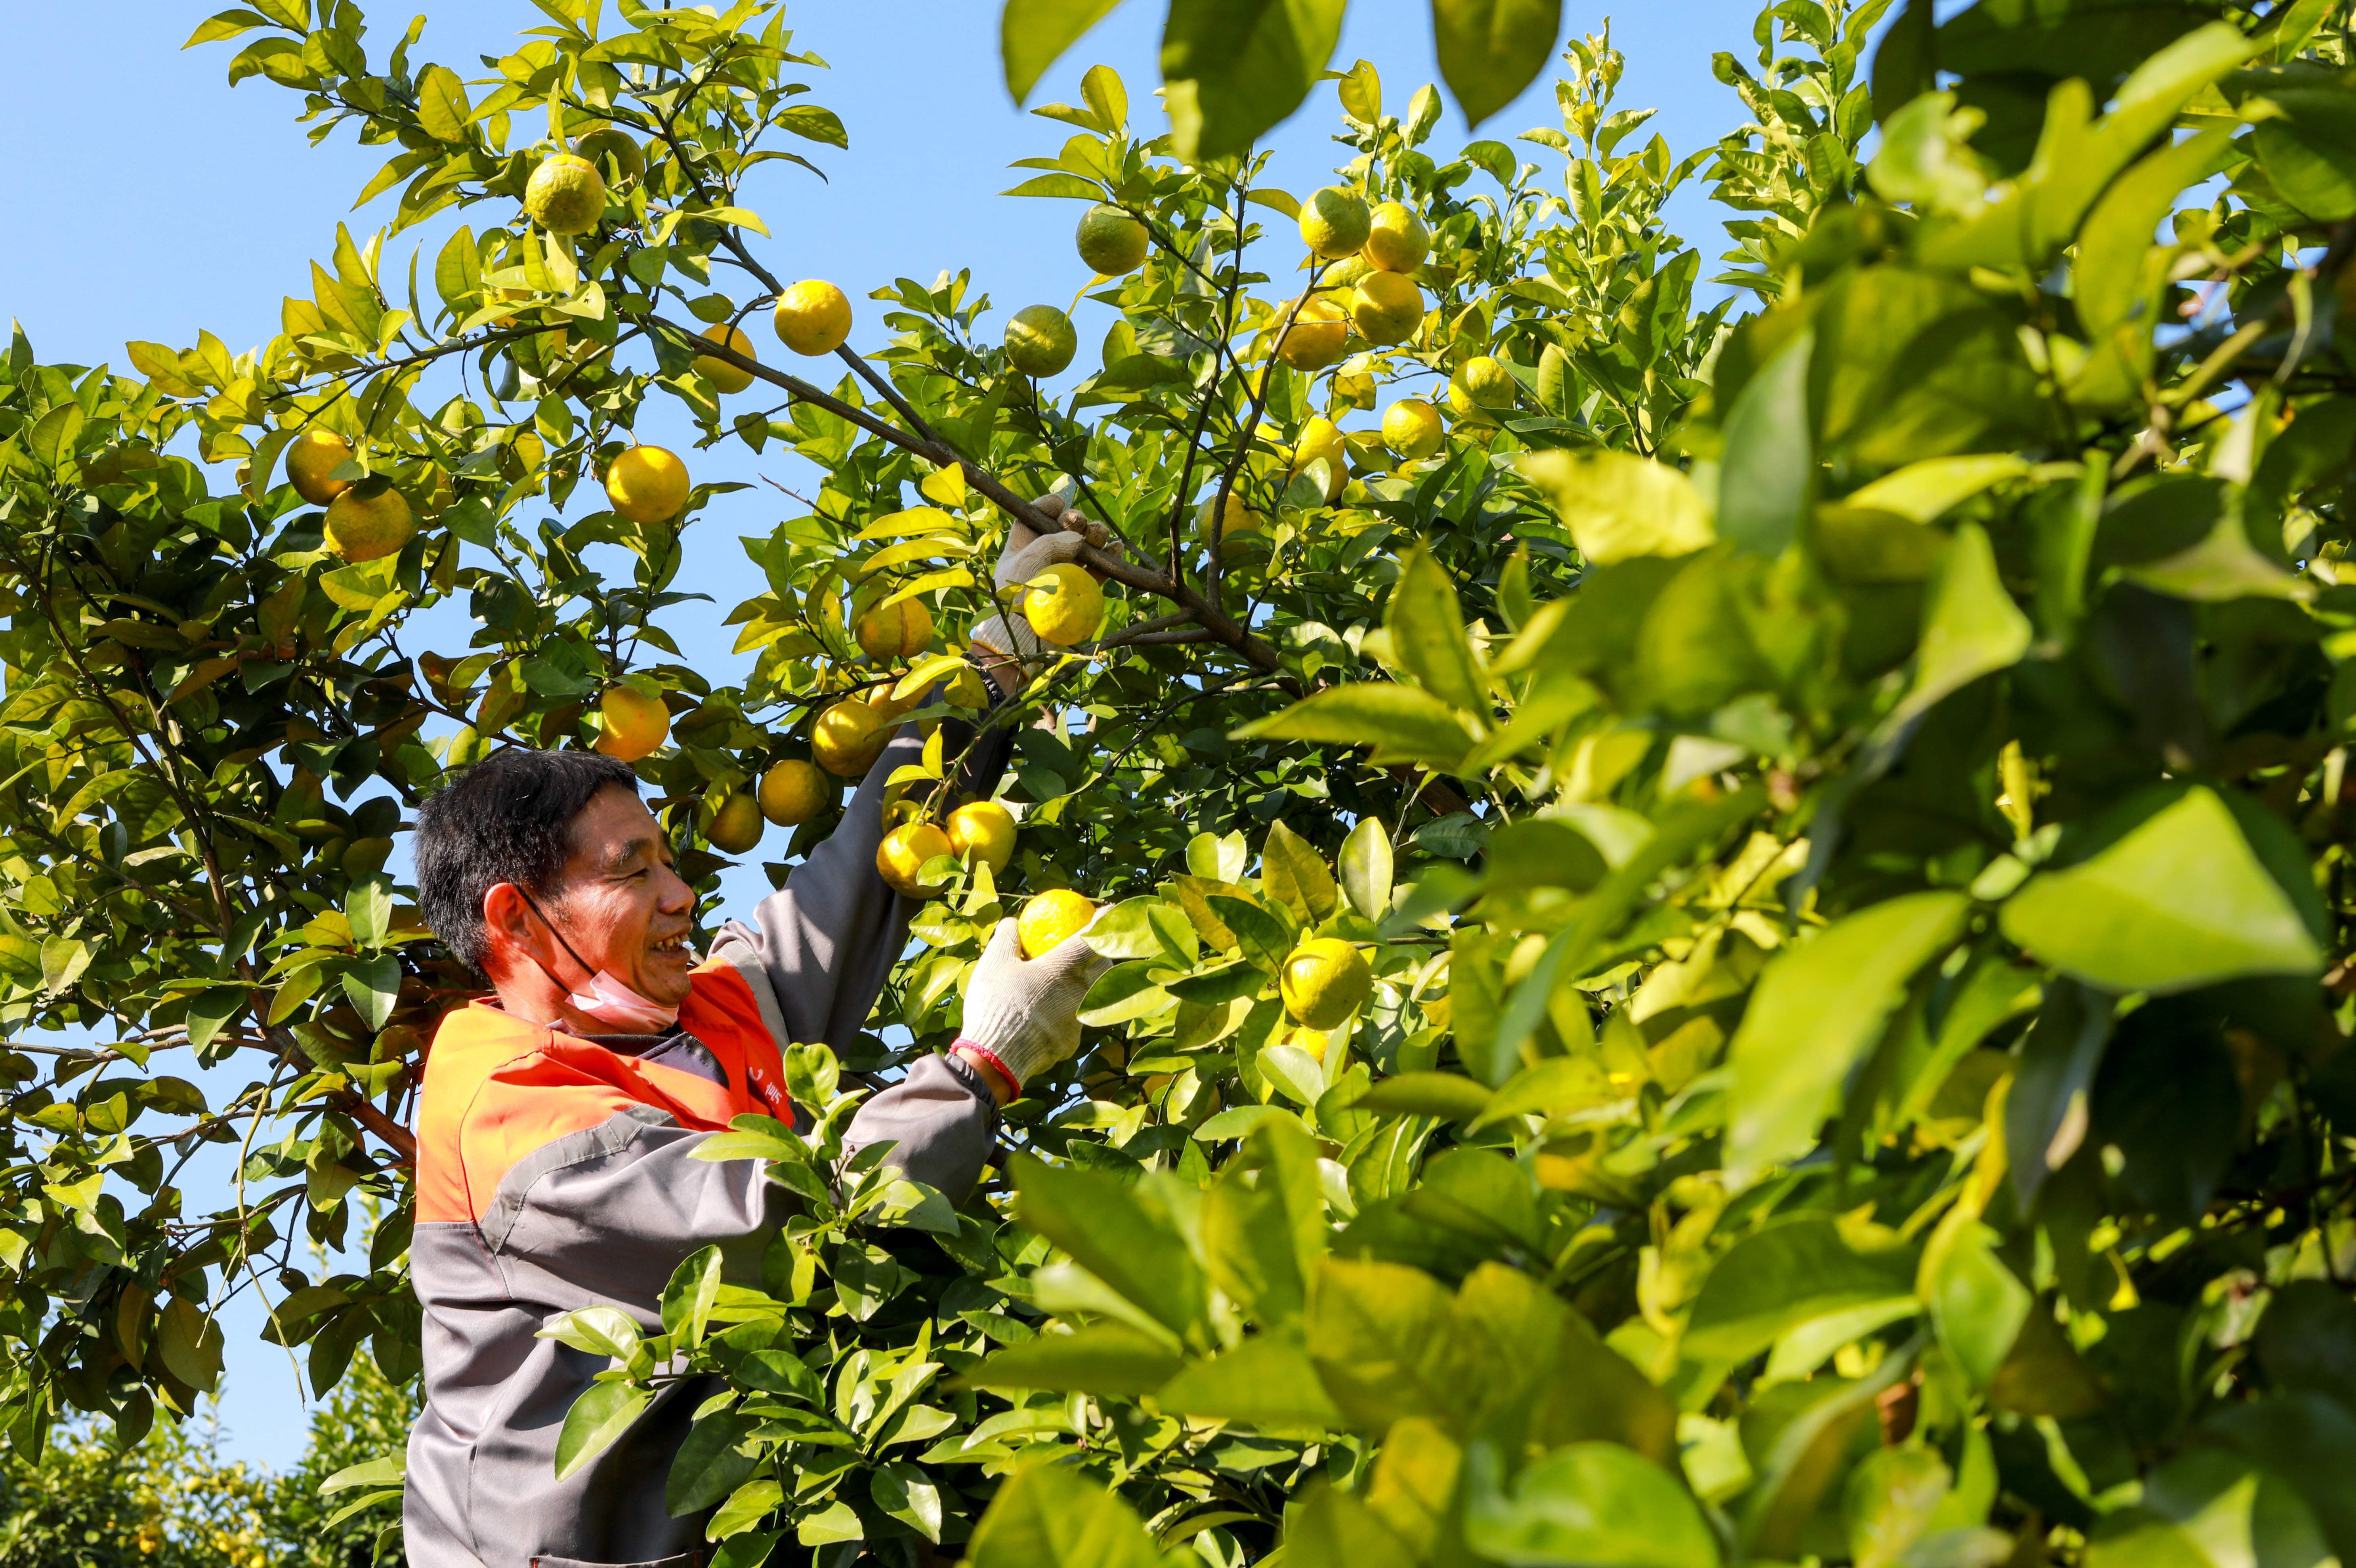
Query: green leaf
x=1491 y=49
x=1050 y=1516
x=1785 y=1274
x=1385 y=1344
x=1976 y=1304
x=442 y=106
x=1034 y=34
x=1427 y=627
x=189 y=1340
x=1366 y=868
x=1817 y=1011
x=1595 y=1504
x=1618 y=505
x=2179 y=901
x=1109 y=1232
x=747 y=1506
x=1103 y=90
x=1266 y=1382
x=1970 y=627
x=1402 y=723
x=1234 y=69
x=1264 y=1225
x=708 y=1466
x=599 y=1330
x=812 y=123
x=1768 y=467
x=2108 y=274
x=596 y=1422
x=1294 y=875
x=1449 y=1096
x=688 y=1299
x=374 y=987
x=1105 y=1358
x=2310 y=1442
x=1325 y=1527
x=225 y=24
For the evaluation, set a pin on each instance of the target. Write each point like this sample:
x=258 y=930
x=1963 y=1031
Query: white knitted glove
x=1028 y=554
x=1024 y=1015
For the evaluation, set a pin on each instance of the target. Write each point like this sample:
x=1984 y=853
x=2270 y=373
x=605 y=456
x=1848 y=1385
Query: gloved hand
x=1023 y=1015
x=1028 y=554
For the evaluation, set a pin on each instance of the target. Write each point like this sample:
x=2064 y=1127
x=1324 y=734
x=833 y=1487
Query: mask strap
x=589 y=968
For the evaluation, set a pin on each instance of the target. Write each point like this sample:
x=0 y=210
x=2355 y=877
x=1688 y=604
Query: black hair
x=508 y=818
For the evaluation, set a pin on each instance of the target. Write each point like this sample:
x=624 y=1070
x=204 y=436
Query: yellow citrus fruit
x=1412 y=428
x=1310 y=1041
x=813 y=317
x=1324 y=981
x=1461 y=405
x=1064 y=604
x=1111 y=241
x=1318 y=331
x=902 y=853
x=887 y=632
x=310 y=458
x=1236 y=518
x=793 y=791
x=728 y=378
x=612 y=141
x=1387 y=308
x=1320 y=438
x=984 y=830
x=736 y=826
x=361 y=526
x=635 y=723
x=647 y=483
x=1396 y=241
x=1040 y=340
x=1334 y=221
x=565 y=194
x=1051 y=917
x=1490 y=383
x=848 y=737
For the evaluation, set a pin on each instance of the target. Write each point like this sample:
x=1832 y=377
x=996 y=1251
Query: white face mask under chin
x=610 y=999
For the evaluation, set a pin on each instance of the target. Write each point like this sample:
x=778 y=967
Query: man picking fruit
x=561 y=1116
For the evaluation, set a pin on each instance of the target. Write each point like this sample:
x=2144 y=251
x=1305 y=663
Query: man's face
x=623 y=907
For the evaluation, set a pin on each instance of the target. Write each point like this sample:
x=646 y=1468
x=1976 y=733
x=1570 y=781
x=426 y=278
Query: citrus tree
x=1728 y=915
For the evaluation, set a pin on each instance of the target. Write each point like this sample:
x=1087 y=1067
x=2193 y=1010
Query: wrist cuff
x=997 y=1064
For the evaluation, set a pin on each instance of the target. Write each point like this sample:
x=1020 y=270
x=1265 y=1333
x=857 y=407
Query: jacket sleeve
x=828 y=938
x=940 y=1119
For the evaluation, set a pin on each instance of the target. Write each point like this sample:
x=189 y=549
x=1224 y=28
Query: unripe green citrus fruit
x=1111 y=241
x=565 y=194
x=1396 y=241
x=1334 y=221
x=1040 y=340
x=1387 y=308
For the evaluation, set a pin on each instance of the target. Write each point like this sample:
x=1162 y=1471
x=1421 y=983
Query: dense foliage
x=1840 y=791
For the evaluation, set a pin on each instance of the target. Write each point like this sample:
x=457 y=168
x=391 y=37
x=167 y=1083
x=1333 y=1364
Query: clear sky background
x=146 y=200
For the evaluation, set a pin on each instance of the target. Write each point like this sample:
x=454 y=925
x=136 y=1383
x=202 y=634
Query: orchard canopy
x=1818 y=781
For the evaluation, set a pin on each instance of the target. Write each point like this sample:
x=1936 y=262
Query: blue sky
x=150 y=200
